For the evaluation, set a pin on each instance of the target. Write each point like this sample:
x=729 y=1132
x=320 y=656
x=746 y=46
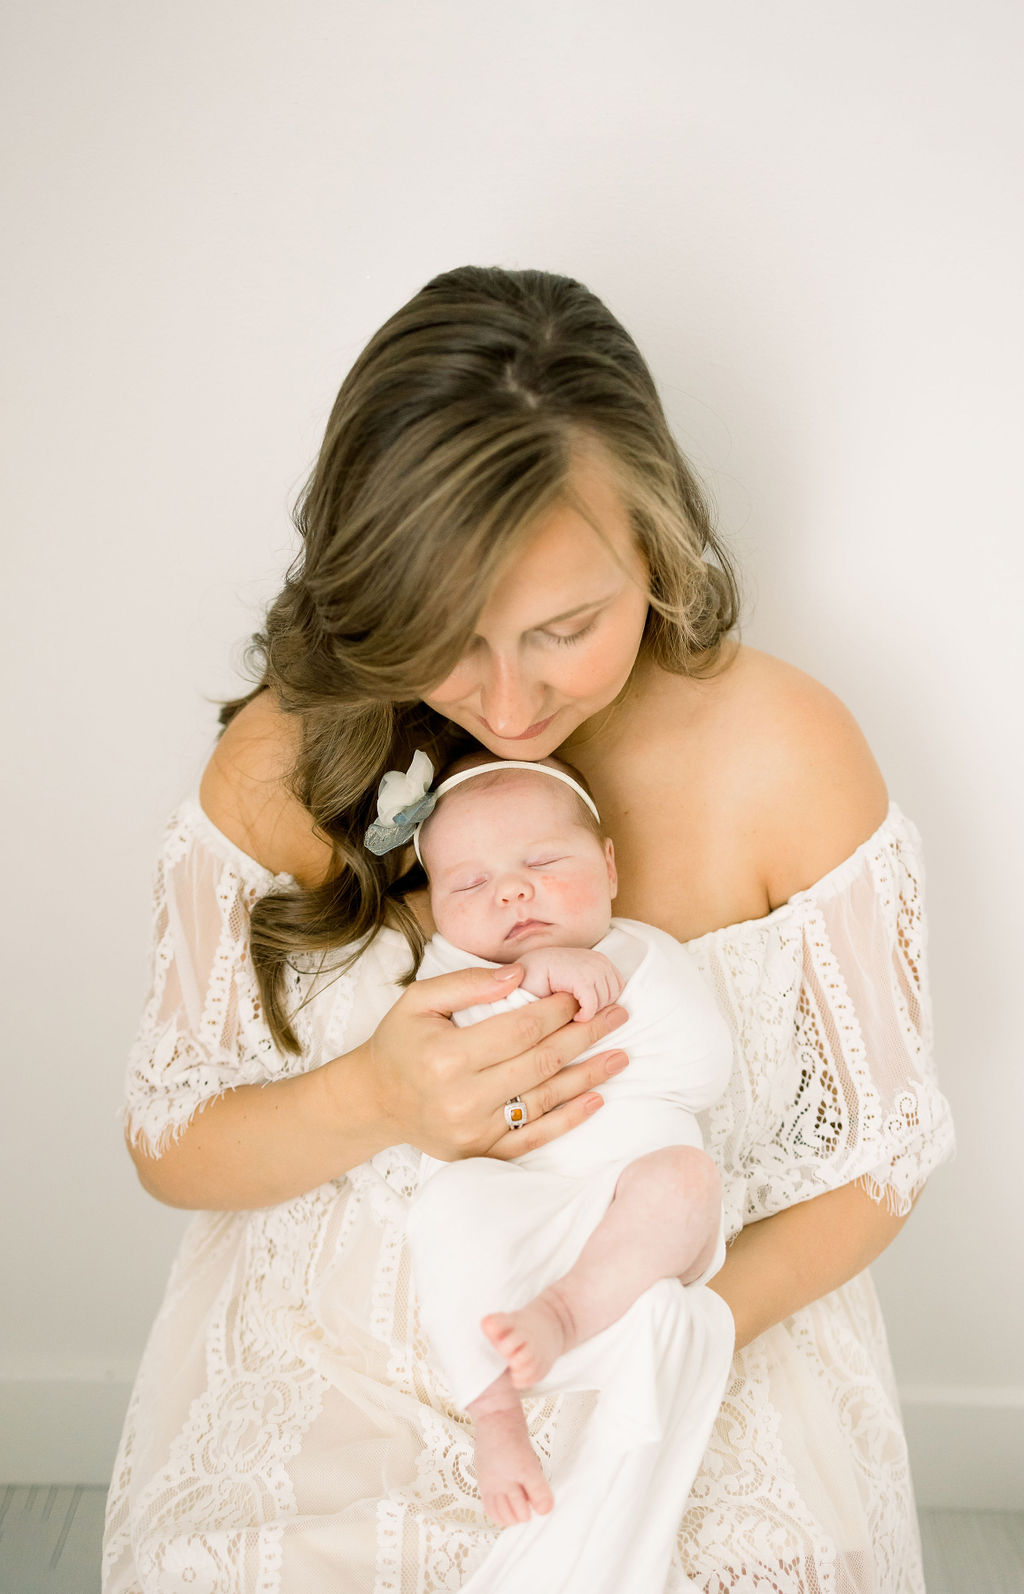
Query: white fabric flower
x=397 y=791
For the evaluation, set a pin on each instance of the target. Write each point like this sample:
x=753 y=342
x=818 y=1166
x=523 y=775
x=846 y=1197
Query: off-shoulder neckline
x=894 y=826
x=250 y=865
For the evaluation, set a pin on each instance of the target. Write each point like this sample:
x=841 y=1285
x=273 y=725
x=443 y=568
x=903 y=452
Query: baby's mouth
x=524 y=925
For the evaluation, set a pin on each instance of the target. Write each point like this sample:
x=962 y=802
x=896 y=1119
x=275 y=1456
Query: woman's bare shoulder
x=245 y=792
x=796 y=768
x=819 y=791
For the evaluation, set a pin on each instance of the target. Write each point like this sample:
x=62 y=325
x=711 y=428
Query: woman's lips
x=531 y=730
x=524 y=925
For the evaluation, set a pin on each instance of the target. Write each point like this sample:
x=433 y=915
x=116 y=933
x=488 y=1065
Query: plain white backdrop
x=809 y=217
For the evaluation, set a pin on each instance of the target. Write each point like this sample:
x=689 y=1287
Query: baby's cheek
x=447 y=918
x=579 y=898
x=573 y=895
x=466 y=924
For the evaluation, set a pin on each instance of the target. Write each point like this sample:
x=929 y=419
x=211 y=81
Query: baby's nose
x=513 y=888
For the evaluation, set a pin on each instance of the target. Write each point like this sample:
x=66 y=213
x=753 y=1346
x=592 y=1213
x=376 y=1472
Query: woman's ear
x=609 y=858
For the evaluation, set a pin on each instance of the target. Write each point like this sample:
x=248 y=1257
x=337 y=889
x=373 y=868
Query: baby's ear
x=613 y=877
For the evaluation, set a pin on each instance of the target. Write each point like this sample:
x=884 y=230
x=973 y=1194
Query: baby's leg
x=508 y=1472
x=662 y=1223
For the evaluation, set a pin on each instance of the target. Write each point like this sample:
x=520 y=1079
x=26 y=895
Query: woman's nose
x=507 y=702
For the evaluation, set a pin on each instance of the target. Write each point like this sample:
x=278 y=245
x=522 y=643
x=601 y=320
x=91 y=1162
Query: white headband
x=504 y=763
x=405 y=802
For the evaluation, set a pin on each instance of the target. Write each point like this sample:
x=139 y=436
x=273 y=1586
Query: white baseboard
x=966 y=1444
x=60 y=1431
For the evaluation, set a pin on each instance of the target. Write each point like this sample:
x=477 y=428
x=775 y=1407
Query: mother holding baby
x=503 y=547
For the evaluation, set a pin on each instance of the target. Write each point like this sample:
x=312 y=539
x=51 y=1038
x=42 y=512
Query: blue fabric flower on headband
x=403 y=802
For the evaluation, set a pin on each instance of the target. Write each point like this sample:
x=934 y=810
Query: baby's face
x=512 y=867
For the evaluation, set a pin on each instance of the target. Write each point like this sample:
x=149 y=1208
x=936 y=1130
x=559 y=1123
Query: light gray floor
x=50 y=1540
x=973 y=1552
x=50 y=1544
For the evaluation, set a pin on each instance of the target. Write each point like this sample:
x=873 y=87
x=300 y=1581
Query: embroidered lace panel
x=287 y=1434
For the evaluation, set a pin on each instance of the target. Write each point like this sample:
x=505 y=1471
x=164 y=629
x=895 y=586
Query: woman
x=502 y=542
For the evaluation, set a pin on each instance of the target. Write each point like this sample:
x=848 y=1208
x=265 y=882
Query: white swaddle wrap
x=488 y=1235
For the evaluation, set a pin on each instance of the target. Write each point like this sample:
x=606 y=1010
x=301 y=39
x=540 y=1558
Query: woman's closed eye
x=566 y=639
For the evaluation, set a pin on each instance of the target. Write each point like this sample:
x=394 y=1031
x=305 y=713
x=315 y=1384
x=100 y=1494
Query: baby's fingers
x=589 y=1005
x=593 y=998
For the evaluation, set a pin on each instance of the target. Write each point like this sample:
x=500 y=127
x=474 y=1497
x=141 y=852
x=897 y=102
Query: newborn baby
x=517 y=1263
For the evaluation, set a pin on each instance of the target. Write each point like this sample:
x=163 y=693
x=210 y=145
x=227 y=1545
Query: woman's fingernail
x=617 y=1064
x=592 y=1103
x=511 y=973
x=616 y=1016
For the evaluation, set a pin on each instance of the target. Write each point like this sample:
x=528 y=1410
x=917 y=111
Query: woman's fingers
x=572 y=1082
x=536 y=1041
x=556 y=1096
x=495 y=1040
x=531 y=1062
x=544 y=1124
x=446 y=994
x=444 y=1088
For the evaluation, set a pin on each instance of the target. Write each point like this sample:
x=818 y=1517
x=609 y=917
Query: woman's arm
x=776 y=1266
x=262 y=1144
x=418 y=1080
x=819 y=794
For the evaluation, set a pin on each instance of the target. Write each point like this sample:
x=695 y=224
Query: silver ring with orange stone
x=515 y=1112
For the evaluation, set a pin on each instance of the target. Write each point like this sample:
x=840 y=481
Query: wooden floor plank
x=50 y=1539
x=50 y=1544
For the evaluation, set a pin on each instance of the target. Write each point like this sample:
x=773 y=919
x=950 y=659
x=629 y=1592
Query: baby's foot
x=532 y=1339
x=508 y=1472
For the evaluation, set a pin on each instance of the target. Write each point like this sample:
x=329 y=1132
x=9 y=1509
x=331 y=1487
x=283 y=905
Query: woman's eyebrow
x=580 y=608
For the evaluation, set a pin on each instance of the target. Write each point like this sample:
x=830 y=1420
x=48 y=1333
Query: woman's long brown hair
x=454 y=430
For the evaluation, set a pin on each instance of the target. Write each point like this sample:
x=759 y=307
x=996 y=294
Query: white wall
x=809 y=217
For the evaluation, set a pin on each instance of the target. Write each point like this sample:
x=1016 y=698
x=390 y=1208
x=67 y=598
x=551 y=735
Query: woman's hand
x=443 y=1089
x=419 y=1080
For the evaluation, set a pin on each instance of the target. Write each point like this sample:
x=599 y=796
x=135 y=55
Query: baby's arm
x=589 y=976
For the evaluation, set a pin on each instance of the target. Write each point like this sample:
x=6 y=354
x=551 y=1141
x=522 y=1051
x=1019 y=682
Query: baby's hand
x=589 y=976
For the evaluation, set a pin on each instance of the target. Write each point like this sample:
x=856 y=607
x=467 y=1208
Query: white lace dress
x=287 y=1433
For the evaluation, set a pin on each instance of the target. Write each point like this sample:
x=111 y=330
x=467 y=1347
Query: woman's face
x=560 y=633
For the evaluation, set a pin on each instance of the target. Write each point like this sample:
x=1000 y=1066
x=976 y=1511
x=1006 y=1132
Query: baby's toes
x=501 y=1331
x=498 y=1509
x=516 y=1352
x=523 y=1369
x=540 y=1497
x=493 y=1326
x=519 y=1503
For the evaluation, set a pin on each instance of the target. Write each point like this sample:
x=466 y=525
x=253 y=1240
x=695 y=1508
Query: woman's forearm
x=262 y=1144
x=782 y=1263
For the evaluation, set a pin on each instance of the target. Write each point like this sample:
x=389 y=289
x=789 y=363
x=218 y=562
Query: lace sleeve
x=202 y=1030
x=866 y=1105
x=833 y=1079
